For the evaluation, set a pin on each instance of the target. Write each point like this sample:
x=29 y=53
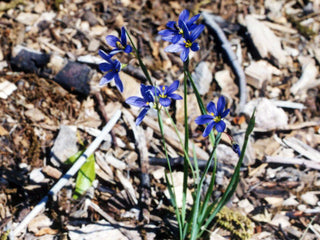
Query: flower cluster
x=150 y=94
x=182 y=35
x=113 y=67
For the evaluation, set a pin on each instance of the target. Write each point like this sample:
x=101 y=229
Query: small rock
x=39 y=222
x=274 y=8
x=51 y=172
x=202 y=77
x=280 y=219
x=302 y=207
x=274 y=201
x=268 y=116
x=246 y=205
x=27 y=18
x=310 y=198
x=36 y=175
x=259 y=72
x=40 y=7
x=90 y=17
x=6 y=88
x=291 y=201
x=65 y=145
x=226 y=82
x=226 y=155
x=35 y=115
x=94 y=45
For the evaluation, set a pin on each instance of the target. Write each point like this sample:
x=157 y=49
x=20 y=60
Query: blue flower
x=120 y=45
x=175 y=31
x=112 y=67
x=215 y=116
x=145 y=102
x=188 y=42
x=165 y=93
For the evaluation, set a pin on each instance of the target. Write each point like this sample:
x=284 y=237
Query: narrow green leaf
x=234 y=180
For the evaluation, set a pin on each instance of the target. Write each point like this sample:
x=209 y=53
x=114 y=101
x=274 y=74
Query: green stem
x=180 y=222
x=200 y=102
x=196 y=227
x=141 y=64
x=186 y=141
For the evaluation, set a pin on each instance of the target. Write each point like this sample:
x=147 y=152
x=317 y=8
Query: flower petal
x=220 y=126
x=186 y=31
x=109 y=75
x=184 y=15
x=175 y=96
x=196 y=32
x=221 y=104
x=195 y=47
x=116 y=66
x=112 y=40
x=175 y=38
x=115 y=51
x=211 y=107
x=141 y=115
x=146 y=92
x=184 y=54
x=166 y=32
x=208 y=129
x=123 y=37
x=174 y=86
x=104 y=81
x=192 y=20
x=118 y=82
x=225 y=113
x=203 y=119
x=104 y=55
x=136 y=101
x=174 y=48
x=128 y=49
x=171 y=24
x=165 y=101
x=105 y=67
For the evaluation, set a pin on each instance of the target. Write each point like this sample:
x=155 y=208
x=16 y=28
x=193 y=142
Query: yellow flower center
x=217 y=119
x=188 y=44
x=180 y=31
x=162 y=95
x=119 y=45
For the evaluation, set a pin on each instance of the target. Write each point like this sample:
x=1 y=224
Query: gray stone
x=65 y=145
x=202 y=77
x=268 y=115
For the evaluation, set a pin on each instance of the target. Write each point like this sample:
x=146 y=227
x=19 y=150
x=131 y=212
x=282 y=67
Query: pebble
x=202 y=77
x=65 y=145
x=291 y=201
x=268 y=115
x=6 y=89
x=36 y=175
x=35 y=115
x=309 y=198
